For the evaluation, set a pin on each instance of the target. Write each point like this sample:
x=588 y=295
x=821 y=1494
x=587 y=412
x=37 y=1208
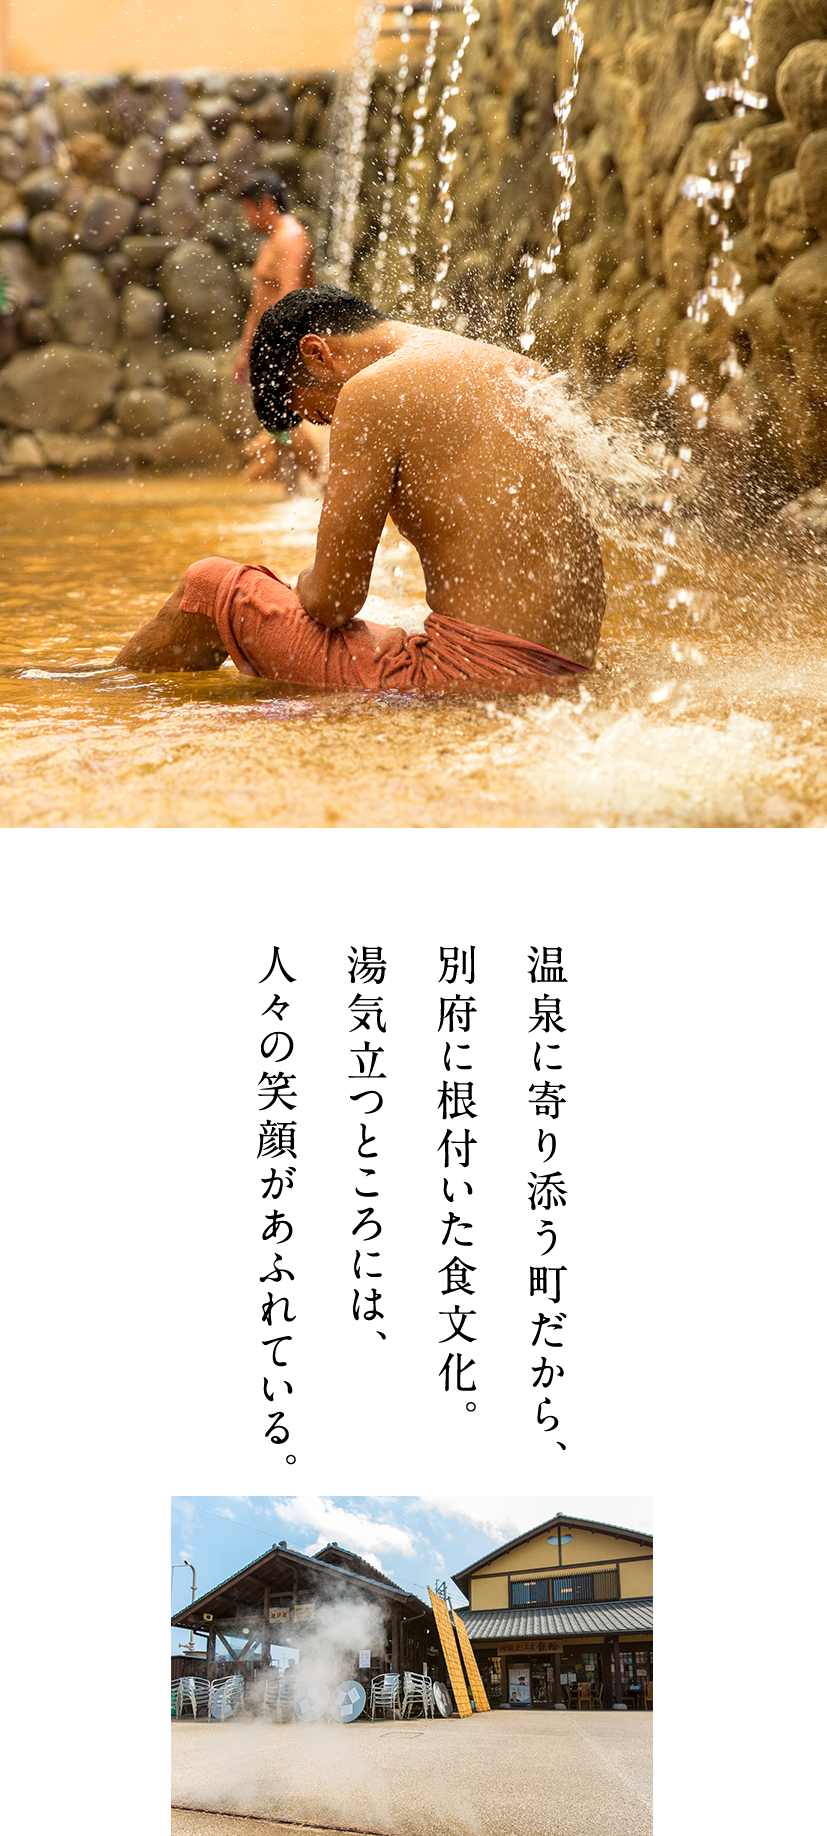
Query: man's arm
x=364 y=454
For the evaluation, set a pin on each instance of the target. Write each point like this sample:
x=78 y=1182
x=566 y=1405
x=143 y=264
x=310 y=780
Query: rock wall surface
x=127 y=258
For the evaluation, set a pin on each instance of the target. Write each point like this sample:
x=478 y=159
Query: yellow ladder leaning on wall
x=471 y=1666
x=450 y=1653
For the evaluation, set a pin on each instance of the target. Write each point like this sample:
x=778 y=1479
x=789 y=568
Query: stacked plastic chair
x=226 y=1698
x=272 y=1686
x=386 y=1693
x=417 y=1695
x=199 y=1693
x=284 y=1700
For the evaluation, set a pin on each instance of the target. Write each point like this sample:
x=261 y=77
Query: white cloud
x=352 y=1529
x=185 y=1511
x=223 y=1511
x=502 y=1519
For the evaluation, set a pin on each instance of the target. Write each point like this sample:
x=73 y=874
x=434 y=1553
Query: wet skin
x=174 y=640
x=438 y=432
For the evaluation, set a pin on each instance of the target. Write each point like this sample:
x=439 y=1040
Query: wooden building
x=274 y=1601
x=563 y=1615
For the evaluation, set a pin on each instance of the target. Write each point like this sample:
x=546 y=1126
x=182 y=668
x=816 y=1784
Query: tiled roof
x=601 y=1616
x=183 y=1616
x=356 y=1565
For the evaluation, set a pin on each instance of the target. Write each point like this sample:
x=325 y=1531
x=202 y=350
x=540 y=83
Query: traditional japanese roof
x=554 y=1523
x=241 y=1593
x=601 y=1617
x=337 y=1557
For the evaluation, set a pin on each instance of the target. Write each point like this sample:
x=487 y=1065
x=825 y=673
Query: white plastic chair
x=272 y=1688
x=385 y=1693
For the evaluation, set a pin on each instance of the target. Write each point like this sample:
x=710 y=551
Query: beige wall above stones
x=43 y=36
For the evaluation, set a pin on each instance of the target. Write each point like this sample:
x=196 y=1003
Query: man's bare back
x=442 y=433
x=439 y=432
x=284 y=261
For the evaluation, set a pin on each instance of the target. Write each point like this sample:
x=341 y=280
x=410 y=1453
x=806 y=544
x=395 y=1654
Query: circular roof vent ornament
x=443 y=1701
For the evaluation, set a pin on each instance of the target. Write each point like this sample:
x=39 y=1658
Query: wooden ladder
x=471 y=1666
x=450 y=1653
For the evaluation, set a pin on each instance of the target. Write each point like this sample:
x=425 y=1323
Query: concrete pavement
x=530 y=1773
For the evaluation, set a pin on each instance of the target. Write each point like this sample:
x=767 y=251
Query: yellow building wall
x=489 y=1593
x=636 y=1578
x=536 y=1556
x=40 y=37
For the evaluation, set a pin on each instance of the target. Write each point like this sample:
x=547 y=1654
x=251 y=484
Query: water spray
x=394 y=144
x=350 y=148
x=447 y=157
x=413 y=201
x=713 y=193
x=564 y=161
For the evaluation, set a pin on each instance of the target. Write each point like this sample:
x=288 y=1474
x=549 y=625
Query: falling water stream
x=447 y=157
x=713 y=192
x=350 y=144
x=564 y=162
x=413 y=199
x=392 y=160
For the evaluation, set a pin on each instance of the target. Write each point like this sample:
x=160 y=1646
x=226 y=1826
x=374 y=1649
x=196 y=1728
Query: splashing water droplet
x=564 y=162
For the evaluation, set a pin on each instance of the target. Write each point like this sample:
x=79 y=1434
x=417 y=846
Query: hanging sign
x=530 y=1647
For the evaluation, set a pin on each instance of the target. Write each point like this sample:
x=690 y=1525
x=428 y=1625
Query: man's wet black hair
x=265 y=185
x=275 y=358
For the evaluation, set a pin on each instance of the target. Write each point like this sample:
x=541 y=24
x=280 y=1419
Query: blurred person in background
x=284 y=263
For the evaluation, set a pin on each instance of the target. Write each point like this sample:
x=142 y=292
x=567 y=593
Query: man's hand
x=241 y=369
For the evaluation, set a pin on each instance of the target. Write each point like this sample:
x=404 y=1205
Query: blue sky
x=416 y=1541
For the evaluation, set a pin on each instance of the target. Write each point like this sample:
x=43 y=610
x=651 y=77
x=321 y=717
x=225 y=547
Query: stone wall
x=635 y=249
x=128 y=258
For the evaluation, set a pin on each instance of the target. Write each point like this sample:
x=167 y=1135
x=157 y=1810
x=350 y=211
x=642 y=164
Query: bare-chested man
x=440 y=433
x=284 y=262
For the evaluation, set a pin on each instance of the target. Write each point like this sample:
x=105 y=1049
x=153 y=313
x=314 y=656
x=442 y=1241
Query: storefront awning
x=602 y=1618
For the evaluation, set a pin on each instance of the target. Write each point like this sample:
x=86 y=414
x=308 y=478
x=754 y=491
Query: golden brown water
x=714 y=717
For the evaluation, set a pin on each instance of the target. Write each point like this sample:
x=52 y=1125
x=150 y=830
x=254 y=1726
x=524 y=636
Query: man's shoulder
x=373 y=392
x=288 y=233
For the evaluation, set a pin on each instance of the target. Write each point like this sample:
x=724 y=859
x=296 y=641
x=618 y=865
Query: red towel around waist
x=267 y=633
